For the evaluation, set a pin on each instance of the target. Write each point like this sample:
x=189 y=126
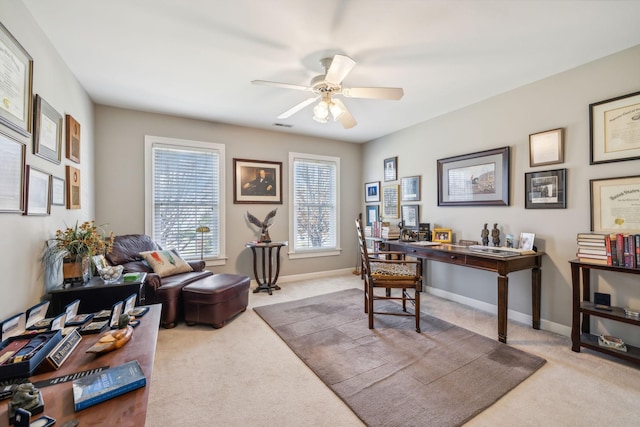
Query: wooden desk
x=462 y=256
x=129 y=409
x=270 y=262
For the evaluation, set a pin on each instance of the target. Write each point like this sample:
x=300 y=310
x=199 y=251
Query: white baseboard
x=308 y=276
x=493 y=309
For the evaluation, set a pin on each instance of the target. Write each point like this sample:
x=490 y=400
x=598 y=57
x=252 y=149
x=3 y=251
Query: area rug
x=391 y=375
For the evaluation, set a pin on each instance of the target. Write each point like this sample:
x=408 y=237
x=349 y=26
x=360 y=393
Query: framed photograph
x=257 y=181
x=410 y=216
x=12 y=165
x=526 y=241
x=615 y=129
x=373 y=214
x=442 y=235
x=546 y=148
x=614 y=205
x=546 y=190
x=390 y=206
x=47 y=132
x=391 y=169
x=72 y=138
x=410 y=188
x=57 y=191
x=16 y=84
x=38 y=197
x=480 y=178
x=73 y=187
x=372 y=192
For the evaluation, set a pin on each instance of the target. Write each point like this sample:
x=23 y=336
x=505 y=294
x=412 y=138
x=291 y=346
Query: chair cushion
x=380 y=270
x=166 y=263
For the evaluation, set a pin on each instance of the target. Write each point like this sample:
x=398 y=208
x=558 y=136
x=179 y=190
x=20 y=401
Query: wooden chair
x=380 y=272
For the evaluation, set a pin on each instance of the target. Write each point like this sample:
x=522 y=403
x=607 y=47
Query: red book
x=632 y=251
x=620 y=249
x=607 y=241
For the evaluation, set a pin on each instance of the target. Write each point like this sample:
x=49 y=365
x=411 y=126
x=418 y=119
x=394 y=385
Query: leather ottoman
x=215 y=299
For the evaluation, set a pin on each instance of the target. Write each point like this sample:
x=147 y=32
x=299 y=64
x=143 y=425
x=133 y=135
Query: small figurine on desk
x=264 y=225
x=26 y=396
x=495 y=234
x=485 y=235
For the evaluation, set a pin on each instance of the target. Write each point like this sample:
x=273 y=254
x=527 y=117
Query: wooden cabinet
x=581 y=335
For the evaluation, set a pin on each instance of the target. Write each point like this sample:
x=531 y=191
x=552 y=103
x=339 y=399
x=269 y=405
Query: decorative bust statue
x=485 y=235
x=495 y=234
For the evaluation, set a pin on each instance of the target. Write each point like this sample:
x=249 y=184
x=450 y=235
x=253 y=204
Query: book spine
x=637 y=239
x=632 y=251
x=607 y=240
x=620 y=249
x=78 y=406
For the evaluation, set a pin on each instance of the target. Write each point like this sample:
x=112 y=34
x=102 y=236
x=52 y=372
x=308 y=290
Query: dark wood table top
x=129 y=409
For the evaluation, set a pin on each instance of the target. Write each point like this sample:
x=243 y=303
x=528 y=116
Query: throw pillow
x=166 y=263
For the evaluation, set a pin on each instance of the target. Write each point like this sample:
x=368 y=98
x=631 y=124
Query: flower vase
x=75 y=270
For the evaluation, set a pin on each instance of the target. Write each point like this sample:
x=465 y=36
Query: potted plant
x=73 y=248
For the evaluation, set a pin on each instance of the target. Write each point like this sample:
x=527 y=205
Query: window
x=314 y=210
x=184 y=190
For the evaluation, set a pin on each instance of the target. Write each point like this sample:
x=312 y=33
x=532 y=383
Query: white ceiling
x=196 y=58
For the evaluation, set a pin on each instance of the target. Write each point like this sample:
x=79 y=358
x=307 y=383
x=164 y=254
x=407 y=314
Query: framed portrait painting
x=257 y=181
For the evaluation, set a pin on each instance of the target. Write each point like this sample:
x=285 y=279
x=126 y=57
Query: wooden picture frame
x=410 y=216
x=442 y=235
x=257 y=181
x=16 y=84
x=72 y=138
x=373 y=214
x=38 y=192
x=12 y=174
x=546 y=190
x=391 y=169
x=372 y=192
x=410 y=188
x=390 y=205
x=47 y=131
x=73 y=187
x=58 y=191
x=615 y=129
x=546 y=148
x=614 y=203
x=475 y=179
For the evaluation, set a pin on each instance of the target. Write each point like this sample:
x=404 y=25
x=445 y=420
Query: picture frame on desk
x=613 y=200
x=615 y=129
x=475 y=179
x=546 y=190
x=442 y=235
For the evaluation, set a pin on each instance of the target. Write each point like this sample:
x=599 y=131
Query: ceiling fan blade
x=281 y=85
x=393 y=93
x=339 y=68
x=346 y=119
x=291 y=111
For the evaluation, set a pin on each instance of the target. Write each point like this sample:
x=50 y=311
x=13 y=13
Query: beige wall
x=23 y=237
x=507 y=120
x=120 y=180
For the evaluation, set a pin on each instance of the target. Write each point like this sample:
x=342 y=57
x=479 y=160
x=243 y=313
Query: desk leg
x=503 y=297
x=575 y=314
x=536 y=295
x=586 y=296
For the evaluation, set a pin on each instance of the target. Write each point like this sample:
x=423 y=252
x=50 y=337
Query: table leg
x=575 y=314
x=503 y=298
x=586 y=296
x=536 y=295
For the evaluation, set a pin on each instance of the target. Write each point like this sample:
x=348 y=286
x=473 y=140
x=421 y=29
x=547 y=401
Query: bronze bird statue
x=264 y=225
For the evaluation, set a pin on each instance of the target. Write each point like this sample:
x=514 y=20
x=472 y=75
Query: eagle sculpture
x=264 y=225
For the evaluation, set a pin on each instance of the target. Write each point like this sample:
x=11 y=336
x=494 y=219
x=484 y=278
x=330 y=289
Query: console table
x=269 y=258
x=95 y=295
x=129 y=409
x=460 y=255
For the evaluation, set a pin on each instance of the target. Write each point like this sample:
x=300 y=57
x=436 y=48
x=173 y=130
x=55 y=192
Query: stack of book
x=592 y=248
x=391 y=232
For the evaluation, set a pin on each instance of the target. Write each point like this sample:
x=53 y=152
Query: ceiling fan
x=325 y=86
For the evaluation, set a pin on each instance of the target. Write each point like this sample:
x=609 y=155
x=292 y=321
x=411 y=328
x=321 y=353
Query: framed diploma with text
x=615 y=205
x=16 y=84
x=615 y=129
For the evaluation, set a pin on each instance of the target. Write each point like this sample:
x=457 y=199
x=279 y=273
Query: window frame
x=296 y=253
x=151 y=142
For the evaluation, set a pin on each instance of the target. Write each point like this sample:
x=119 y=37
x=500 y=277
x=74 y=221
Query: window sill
x=314 y=254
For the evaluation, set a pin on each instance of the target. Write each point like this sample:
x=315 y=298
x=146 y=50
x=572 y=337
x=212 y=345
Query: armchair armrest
x=197 y=265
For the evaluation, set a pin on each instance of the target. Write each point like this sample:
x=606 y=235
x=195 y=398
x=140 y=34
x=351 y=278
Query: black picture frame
x=610 y=212
x=247 y=189
x=546 y=189
x=614 y=126
x=475 y=179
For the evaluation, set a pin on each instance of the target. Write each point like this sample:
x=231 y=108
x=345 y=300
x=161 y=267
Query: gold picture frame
x=73 y=187
x=442 y=235
x=390 y=201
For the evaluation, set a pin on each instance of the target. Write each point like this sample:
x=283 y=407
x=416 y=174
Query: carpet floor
x=392 y=375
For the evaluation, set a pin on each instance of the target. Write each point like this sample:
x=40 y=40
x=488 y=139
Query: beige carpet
x=245 y=375
x=392 y=375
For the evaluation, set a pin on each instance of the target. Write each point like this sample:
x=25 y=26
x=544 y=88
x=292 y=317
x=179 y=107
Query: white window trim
x=313 y=253
x=159 y=141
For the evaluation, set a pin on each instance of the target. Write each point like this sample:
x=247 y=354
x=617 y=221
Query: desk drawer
x=451 y=258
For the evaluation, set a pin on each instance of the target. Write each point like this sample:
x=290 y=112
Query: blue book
x=107 y=384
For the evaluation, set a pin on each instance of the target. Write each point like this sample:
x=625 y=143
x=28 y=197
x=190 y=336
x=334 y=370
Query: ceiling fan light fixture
x=321 y=112
x=336 y=111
